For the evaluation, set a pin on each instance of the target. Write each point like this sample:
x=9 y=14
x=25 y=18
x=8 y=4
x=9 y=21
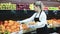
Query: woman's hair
x=40 y=4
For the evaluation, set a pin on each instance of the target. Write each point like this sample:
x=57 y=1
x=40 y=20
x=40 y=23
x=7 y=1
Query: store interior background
x=21 y=14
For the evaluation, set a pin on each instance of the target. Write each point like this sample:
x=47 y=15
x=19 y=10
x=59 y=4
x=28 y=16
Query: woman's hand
x=32 y=23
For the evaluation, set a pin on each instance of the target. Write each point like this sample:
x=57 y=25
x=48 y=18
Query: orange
x=24 y=26
x=9 y=30
x=3 y=28
x=50 y=21
x=58 y=21
x=11 y=22
x=17 y=25
x=12 y=28
x=5 y=21
x=18 y=29
x=15 y=30
x=7 y=27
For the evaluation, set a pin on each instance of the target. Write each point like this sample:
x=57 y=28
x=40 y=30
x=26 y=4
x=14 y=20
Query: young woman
x=39 y=17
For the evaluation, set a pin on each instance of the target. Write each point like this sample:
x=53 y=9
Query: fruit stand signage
x=31 y=6
x=51 y=8
x=7 y=6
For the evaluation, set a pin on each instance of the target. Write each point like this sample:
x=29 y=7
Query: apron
x=43 y=30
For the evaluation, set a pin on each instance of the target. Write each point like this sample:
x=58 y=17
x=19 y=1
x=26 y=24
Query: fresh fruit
x=17 y=29
x=58 y=21
x=11 y=22
x=13 y=26
x=18 y=25
x=54 y=22
x=50 y=21
x=5 y=23
x=10 y=25
x=9 y=30
x=24 y=26
x=7 y=27
x=2 y=28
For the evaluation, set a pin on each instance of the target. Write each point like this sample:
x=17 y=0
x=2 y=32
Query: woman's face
x=37 y=8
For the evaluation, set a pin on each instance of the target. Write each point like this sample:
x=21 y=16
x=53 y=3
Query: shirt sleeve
x=43 y=21
x=28 y=19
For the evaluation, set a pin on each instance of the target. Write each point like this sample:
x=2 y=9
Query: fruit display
x=10 y=25
x=14 y=26
x=54 y=22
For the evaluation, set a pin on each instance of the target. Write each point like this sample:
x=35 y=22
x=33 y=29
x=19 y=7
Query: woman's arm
x=28 y=19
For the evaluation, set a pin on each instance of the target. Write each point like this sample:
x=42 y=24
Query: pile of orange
x=11 y=26
x=50 y=21
x=53 y=21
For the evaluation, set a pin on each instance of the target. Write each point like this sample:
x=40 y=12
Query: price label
x=7 y=6
x=53 y=8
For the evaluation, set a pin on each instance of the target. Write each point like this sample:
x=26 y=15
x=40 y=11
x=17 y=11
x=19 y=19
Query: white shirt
x=42 y=18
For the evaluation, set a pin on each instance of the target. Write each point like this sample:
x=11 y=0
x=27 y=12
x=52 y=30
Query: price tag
x=53 y=8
